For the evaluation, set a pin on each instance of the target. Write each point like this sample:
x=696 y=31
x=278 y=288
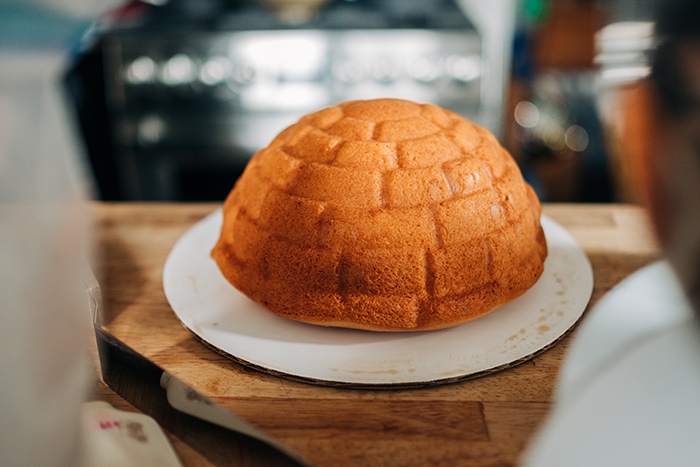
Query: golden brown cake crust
x=385 y=215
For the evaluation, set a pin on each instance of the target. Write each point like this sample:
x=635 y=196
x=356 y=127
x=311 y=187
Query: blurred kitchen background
x=174 y=96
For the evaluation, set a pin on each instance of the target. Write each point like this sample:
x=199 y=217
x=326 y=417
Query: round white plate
x=227 y=321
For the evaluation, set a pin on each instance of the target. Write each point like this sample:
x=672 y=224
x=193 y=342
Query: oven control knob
x=243 y=74
x=423 y=69
x=348 y=71
x=142 y=70
x=178 y=70
x=215 y=70
x=463 y=68
x=384 y=70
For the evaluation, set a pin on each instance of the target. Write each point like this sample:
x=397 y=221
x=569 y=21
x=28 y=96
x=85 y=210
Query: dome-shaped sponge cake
x=382 y=215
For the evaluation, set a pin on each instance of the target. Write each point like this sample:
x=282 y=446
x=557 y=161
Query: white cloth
x=45 y=366
x=629 y=389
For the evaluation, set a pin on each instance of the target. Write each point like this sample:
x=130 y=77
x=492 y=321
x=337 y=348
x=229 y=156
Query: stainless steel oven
x=191 y=96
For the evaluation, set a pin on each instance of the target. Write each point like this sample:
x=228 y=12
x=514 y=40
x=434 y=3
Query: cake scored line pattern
x=381 y=183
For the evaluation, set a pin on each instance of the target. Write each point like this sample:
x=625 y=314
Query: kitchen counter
x=484 y=421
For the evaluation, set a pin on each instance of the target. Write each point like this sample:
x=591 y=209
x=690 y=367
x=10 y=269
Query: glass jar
x=623 y=59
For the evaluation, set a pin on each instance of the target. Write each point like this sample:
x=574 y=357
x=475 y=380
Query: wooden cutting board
x=483 y=421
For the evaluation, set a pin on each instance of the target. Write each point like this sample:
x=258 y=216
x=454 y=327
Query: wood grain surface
x=481 y=422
